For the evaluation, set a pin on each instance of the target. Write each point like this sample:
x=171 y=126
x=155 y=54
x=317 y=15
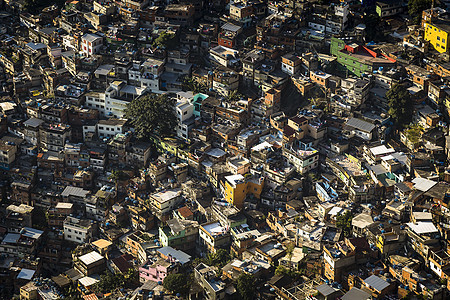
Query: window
x=438 y=38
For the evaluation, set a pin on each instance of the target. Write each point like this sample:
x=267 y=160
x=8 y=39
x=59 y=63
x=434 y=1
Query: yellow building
x=236 y=188
x=437 y=34
x=29 y=291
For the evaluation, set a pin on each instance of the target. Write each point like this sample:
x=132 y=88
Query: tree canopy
x=415 y=8
x=344 y=221
x=218 y=259
x=118 y=175
x=282 y=270
x=246 y=286
x=152 y=114
x=176 y=283
x=189 y=84
x=165 y=40
x=110 y=282
x=372 y=22
x=400 y=106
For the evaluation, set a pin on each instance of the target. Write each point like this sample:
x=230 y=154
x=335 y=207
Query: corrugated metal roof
x=422 y=227
x=90 y=258
x=326 y=289
x=230 y=27
x=423 y=184
x=26 y=274
x=360 y=124
x=74 y=191
x=376 y=283
x=176 y=254
x=356 y=294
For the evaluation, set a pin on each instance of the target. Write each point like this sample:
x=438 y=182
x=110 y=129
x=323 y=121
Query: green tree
x=152 y=114
x=372 y=22
x=246 y=286
x=39 y=218
x=282 y=270
x=400 y=105
x=218 y=259
x=110 y=282
x=177 y=283
x=414 y=133
x=72 y=294
x=189 y=84
x=290 y=252
x=117 y=176
x=344 y=221
x=234 y=96
x=415 y=8
x=166 y=40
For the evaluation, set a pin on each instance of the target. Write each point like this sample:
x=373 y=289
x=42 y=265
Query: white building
x=109 y=128
x=91 y=44
x=304 y=158
x=118 y=95
x=224 y=56
x=185 y=117
x=360 y=128
x=166 y=201
x=148 y=74
x=78 y=230
x=96 y=101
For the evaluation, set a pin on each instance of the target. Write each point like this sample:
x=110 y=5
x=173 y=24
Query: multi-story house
x=389 y=8
x=109 y=128
x=185 y=117
x=78 y=230
x=303 y=157
x=96 y=100
x=224 y=56
x=91 y=44
x=91 y=263
x=236 y=188
x=53 y=137
x=179 y=234
x=164 y=202
x=437 y=33
x=207 y=278
x=213 y=236
x=31 y=130
x=225 y=81
x=166 y=260
x=179 y=14
x=21 y=244
x=117 y=97
x=8 y=152
x=97 y=158
x=138 y=154
x=290 y=63
x=141 y=218
x=356 y=59
x=423 y=237
x=241 y=12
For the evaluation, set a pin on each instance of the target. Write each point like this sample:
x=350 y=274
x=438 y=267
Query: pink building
x=157 y=270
